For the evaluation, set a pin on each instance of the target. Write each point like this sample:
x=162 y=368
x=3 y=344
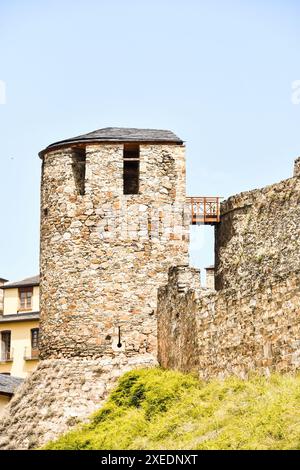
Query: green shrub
x=159 y=409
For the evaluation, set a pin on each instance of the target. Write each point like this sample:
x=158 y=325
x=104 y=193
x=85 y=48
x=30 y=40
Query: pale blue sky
x=218 y=73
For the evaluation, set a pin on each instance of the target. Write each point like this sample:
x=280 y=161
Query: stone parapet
x=230 y=332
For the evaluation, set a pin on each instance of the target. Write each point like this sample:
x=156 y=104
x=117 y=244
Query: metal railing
x=7 y=356
x=204 y=210
x=30 y=354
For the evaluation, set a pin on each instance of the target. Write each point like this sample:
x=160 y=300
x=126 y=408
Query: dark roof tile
x=120 y=134
x=29 y=281
x=8 y=384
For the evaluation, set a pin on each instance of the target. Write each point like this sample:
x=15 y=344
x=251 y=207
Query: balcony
x=6 y=356
x=204 y=210
x=31 y=354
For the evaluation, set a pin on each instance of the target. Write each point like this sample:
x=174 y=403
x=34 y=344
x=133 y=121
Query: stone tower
x=112 y=224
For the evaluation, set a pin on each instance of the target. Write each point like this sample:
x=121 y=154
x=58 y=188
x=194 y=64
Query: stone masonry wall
x=104 y=254
x=297 y=167
x=59 y=394
x=258 y=237
x=251 y=322
x=177 y=327
x=216 y=334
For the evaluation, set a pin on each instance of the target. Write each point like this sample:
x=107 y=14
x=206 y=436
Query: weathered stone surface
x=297 y=167
x=251 y=323
x=210 y=277
x=104 y=254
x=177 y=328
x=59 y=394
x=230 y=332
x=258 y=237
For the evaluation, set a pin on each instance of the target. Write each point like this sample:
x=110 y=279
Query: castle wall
x=104 y=254
x=258 y=237
x=251 y=322
x=217 y=334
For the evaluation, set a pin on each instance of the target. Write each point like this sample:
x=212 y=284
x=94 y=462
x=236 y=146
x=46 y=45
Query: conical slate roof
x=120 y=134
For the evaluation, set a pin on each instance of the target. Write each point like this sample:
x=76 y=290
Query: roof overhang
x=6 y=394
x=83 y=143
x=19 y=317
x=117 y=135
x=19 y=285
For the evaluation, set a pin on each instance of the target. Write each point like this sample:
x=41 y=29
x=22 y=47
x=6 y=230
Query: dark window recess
x=78 y=166
x=25 y=296
x=34 y=338
x=5 y=345
x=131 y=169
x=119 y=337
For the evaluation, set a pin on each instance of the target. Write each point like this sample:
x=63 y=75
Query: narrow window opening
x=203 y=258
x=34 y=343
x=35 y=338
x=131 y=168
x=5 y=345
x=119 y=338
x=25 y=298
x=78 y=166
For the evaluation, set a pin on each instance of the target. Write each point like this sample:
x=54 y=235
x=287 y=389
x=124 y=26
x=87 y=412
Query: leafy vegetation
x=159 y=409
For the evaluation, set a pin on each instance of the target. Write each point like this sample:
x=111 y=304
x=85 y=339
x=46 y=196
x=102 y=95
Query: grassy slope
x=157 y=409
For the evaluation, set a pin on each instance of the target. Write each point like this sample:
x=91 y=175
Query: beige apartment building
x=2 y=281
x=19 y=333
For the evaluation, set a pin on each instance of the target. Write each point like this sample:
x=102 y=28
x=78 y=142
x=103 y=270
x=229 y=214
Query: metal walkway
x=204 y=210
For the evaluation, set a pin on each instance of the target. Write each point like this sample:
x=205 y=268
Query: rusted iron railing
x=204 y=210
